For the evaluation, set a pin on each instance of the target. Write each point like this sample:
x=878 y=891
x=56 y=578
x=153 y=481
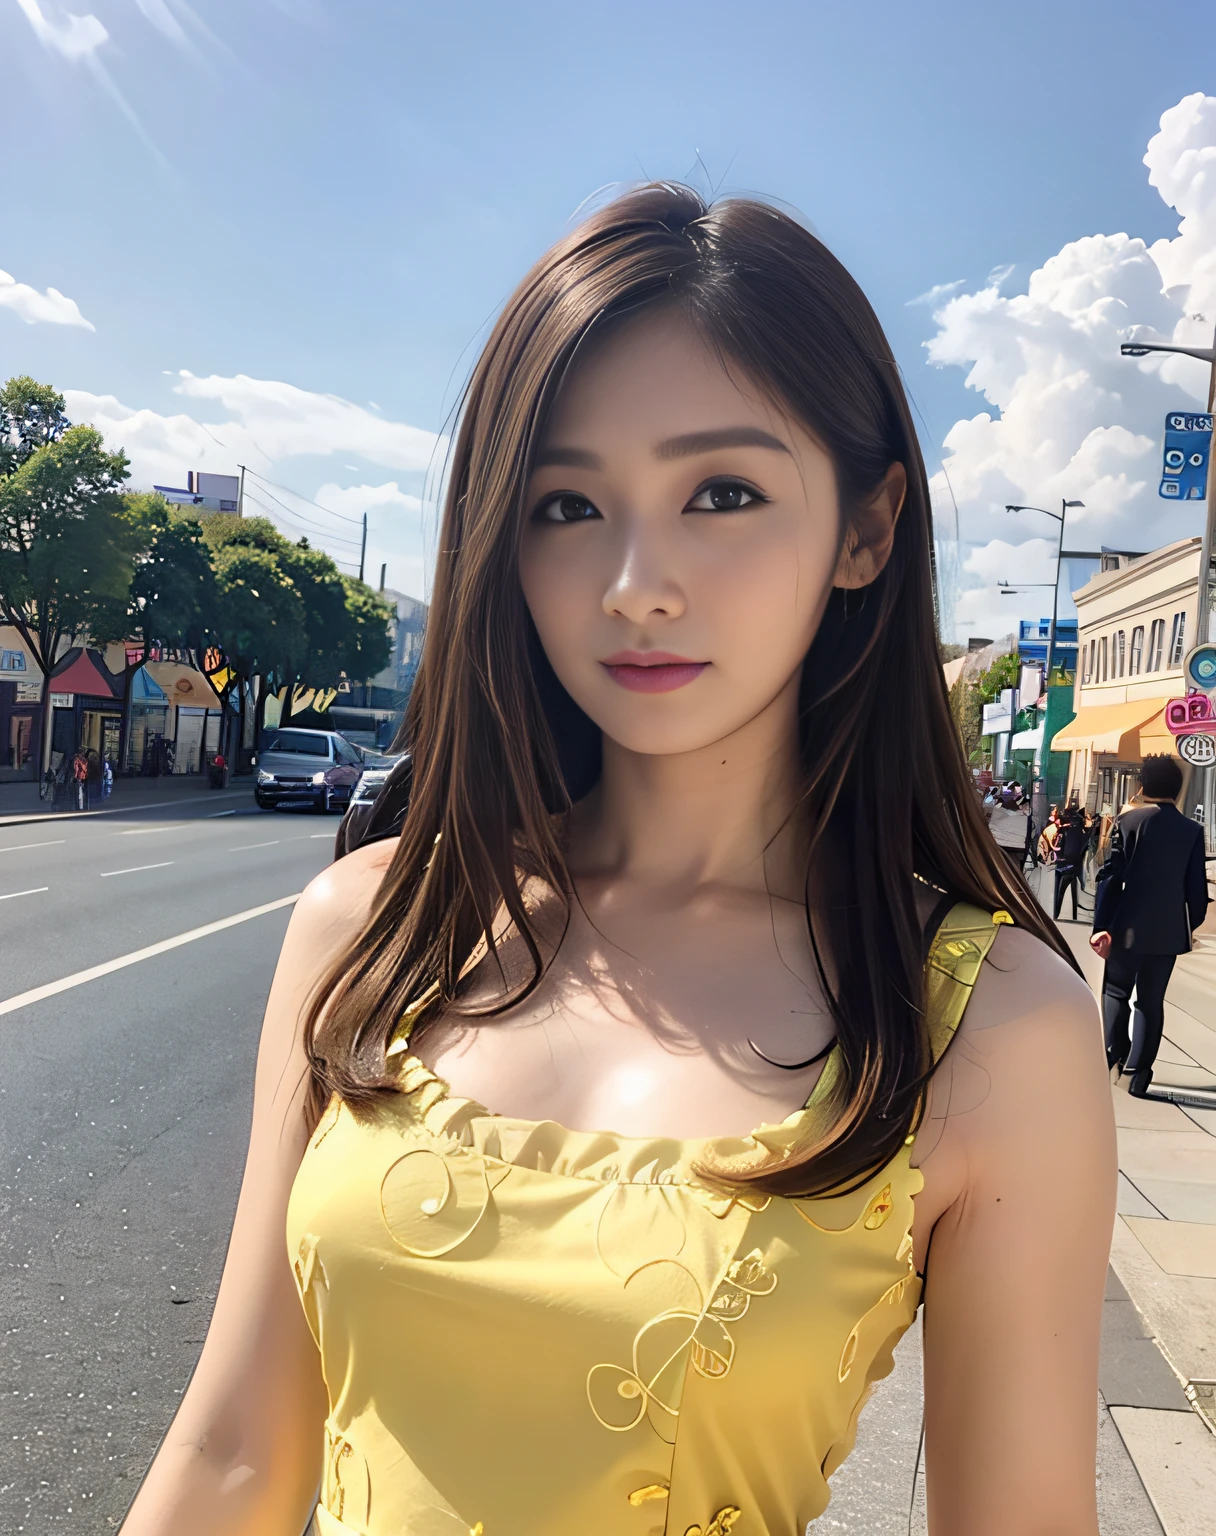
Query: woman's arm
x=1017 y=1264
x=243 y=1455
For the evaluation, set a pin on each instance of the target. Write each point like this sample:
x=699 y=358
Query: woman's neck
x=691 y=819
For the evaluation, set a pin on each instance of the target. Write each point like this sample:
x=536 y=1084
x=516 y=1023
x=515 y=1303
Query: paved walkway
x=19 y=802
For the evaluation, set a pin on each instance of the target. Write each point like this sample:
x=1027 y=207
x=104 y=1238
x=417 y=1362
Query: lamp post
x=1203 y=629
x=1055 y=602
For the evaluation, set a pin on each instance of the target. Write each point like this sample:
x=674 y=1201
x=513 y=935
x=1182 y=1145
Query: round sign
x=1199 y=751
x=1199 y=668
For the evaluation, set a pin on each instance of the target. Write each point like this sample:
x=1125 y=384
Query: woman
x=598 y=1105
x=1049 y=837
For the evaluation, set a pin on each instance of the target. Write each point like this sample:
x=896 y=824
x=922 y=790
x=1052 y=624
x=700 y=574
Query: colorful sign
x=1199 y=750
x=1199 y=668
x=1190 y=716
x=1188 y=446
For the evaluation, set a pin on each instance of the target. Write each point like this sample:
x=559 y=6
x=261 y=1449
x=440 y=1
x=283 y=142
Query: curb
x=23 y=819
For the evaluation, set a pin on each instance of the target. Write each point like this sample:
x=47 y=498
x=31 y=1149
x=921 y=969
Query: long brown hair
x=499 y=747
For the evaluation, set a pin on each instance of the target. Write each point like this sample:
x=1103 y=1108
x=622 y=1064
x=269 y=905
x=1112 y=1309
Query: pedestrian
x=1049 y=836
x=1010 y=823
x=1072 y=841
x=1152 y=895
x=668 y=871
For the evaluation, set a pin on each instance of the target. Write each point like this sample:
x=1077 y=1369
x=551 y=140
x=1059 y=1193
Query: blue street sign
x=1188 y=446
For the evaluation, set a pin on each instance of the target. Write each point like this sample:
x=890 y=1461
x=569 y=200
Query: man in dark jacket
x=1072 y=841
x=1151 y=895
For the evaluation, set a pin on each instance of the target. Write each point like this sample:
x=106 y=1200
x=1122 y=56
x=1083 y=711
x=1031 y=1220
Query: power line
x=329 y=512
x=303 y=521
x=279 y=515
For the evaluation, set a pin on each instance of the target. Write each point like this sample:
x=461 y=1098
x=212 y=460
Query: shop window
x=1102 y=671
x=1137 y=651
x=1177 y=639
x=1118 y=648
x=1156 y=640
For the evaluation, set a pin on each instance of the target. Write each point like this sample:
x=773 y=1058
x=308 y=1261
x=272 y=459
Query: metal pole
x=1055 y=598
x=363 y=547
x=240 y=495
x=1203 y=628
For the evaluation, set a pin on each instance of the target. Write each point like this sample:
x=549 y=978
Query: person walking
x=1071 y=842
x=1010 y=823
x=1152 y=895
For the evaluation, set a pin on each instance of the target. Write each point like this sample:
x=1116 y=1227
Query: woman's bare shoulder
x=335 y=904
x=1028 y=1059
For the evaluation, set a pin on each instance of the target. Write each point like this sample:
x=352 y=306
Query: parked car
x=318 y=768
x=378 y=805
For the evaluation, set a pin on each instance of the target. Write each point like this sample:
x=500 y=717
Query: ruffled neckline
x=546 y=1146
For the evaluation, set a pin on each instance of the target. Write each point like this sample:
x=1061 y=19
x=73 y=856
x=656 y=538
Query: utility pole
x=240 y=495
x=1203 y=627
x=1055 y=601
x=1205 y=585
x=383 y=574
x=363 y=547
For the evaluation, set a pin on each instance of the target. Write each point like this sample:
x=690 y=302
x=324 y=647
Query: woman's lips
x=652 y=671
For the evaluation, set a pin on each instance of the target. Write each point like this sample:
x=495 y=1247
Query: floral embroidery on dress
x=720 y=1524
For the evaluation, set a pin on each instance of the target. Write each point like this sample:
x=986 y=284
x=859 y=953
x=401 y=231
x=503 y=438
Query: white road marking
x=52 y=988
x=33 y=891
x=245 y=847
x=143 y=831
x=136 y=869
x=19 y=847
x=211 y=815
x=314 y=835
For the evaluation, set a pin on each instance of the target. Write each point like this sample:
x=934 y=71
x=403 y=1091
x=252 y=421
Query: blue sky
x=334 y=198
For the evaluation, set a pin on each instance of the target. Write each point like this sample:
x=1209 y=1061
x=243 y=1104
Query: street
x=125 y=1106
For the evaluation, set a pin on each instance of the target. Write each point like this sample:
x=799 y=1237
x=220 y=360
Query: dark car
x=378 y=806
x=300 y=767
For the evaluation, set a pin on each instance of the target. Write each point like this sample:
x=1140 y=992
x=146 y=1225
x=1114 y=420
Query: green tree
x=1003 y=673
x=31 y=416
x=68 y=539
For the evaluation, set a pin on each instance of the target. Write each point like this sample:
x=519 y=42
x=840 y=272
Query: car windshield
x=299 y=741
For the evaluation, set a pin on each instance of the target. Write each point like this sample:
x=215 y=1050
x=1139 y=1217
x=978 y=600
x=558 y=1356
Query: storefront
x=1137 y=623
x=20 y=708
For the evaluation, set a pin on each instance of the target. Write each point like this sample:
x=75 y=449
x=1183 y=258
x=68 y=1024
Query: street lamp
x=1055 y=602
x=1204 y=355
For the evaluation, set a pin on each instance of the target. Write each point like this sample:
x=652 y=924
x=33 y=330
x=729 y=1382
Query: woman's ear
x=870 y=534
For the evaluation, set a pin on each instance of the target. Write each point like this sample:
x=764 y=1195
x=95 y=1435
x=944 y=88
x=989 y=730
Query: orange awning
x=183 y=685
x=1113 y=728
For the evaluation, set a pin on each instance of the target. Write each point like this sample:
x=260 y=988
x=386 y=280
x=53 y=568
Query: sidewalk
x=1159 y=1345
x=19 y=803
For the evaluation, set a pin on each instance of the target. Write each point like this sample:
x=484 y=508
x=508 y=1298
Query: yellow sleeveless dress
x=532 y=1331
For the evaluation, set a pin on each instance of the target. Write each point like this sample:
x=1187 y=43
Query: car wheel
x=260 y=801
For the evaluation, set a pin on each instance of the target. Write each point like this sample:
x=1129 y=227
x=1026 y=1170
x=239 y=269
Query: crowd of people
x=1069 y=841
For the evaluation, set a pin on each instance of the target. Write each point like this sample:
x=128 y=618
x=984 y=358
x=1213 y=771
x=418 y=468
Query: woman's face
x=682 y=538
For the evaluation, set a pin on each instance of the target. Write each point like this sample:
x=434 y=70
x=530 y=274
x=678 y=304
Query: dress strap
x=956 y=953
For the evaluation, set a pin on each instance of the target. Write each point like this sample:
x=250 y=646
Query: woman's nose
x=644 y=584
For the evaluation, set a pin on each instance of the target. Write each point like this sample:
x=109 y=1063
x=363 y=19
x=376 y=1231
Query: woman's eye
x=565 y=507
x=725 y=496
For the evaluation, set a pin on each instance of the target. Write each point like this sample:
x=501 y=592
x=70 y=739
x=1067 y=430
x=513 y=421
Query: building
x=370 y=712
x=20 y=708
x=205 y=493
x=1136 y=622
x=1034 y=640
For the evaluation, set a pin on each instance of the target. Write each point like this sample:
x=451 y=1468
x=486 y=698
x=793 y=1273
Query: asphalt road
x=124 y=1107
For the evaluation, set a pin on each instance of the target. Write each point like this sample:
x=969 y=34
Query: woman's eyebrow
x=683 y=447
x=721 y=437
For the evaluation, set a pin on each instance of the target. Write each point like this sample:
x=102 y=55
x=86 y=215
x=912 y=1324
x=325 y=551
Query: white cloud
x=938 y=292
x=49 y=308
x=270 y=424
x=352 y=501
x=1070 y=417
x=75 y=37
x=280 y=421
